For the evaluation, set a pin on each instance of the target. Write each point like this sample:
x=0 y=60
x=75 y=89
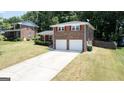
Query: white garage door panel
x=75 y=45
x=61 y=44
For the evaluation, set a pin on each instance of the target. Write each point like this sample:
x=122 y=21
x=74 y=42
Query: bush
x=5 y=39
x=12 y=39
x=89 y=48
x=1 y=37
x=39 y=42
x=28 y=39
x=17 y=39
x=0 y=52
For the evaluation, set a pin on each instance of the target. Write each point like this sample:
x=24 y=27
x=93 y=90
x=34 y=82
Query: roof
x=1 y=31
x=15 y=30
x=48 y=32
x=71 y=23
x=28 y=23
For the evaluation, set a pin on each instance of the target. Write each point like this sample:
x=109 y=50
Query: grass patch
x=100 y=64
x=15 y=52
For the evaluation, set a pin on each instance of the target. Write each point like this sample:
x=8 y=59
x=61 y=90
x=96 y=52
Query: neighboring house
x=24 y=30
x=74 y=35
x=2 y=31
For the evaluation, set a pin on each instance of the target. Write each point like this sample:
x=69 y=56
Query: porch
x=12 y=34
x=46 y=35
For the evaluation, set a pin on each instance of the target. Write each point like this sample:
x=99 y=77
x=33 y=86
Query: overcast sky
x=8 y=14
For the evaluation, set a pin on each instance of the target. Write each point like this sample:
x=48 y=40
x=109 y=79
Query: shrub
x=40 y=42
x=5 y=39
x=89 y=48
x=28 y=39
x=1 y=37
x=0 y=52
x=17 y=39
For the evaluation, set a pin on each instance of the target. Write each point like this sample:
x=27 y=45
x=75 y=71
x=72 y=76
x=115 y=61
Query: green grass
x=15 y=52
x=100 y=64
x=6 y=43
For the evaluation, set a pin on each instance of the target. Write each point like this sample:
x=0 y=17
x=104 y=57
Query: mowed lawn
x=100 y=64
x=15 y=52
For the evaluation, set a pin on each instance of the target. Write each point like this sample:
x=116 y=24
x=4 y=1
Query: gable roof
x=71 y=23
x=48 y=32
x=28 y=23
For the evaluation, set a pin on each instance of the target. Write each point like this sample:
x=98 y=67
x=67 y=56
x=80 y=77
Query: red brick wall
x=68 y=34
x=27 y=32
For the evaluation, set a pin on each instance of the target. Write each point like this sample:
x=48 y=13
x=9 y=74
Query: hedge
x=40 y=42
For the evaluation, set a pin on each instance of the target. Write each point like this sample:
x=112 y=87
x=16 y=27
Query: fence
x=104 y=44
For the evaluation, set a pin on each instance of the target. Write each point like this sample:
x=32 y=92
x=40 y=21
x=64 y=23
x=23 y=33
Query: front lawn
x=100 y=64
x=15 y=52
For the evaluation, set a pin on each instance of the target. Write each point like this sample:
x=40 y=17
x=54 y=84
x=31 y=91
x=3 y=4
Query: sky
x=8 y=14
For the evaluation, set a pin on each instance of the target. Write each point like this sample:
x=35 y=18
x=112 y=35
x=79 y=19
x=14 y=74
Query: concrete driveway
x=42 y=67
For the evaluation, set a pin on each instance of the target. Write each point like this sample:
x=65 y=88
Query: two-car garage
x=74 y=45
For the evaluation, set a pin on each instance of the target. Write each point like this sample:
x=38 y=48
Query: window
x=72 y=28
x=61 y=28
x=75 y=28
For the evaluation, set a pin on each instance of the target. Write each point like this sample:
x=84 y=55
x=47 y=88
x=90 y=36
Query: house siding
x=27 y=32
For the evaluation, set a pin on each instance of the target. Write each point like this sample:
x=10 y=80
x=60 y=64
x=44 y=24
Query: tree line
x=109 y=24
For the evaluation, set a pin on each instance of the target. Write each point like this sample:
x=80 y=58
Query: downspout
x=85 y=41
x=20 y=31
x=53 y=39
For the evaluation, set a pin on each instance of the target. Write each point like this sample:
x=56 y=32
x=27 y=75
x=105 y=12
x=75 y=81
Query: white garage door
x=75 y=45
x=61 y=44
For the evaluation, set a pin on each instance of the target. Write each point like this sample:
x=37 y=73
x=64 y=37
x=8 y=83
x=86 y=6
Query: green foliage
x=14 y=19
x=1 y=52
x=55 y=20
x=89 y=48
x=107 y=23
x=40 y=42
x=18 y=39
x=1 y=37
x=11 y=39
x=6 y=25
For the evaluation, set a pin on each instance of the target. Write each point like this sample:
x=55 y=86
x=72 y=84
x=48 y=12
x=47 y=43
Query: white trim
x=71 y=23
x=75 y=28
x=61 y=28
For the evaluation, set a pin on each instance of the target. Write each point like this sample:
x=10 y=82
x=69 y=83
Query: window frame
x=61 y=28
x=78 y=27
x=74 y=28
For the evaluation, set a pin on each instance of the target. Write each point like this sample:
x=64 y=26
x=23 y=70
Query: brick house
x=24 y=30
x=74 y=35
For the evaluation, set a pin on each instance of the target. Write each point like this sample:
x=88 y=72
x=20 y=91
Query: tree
x=6 y=26
x=55 y=20
x=105 y=22
x=1 y=20
x=14 y=19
